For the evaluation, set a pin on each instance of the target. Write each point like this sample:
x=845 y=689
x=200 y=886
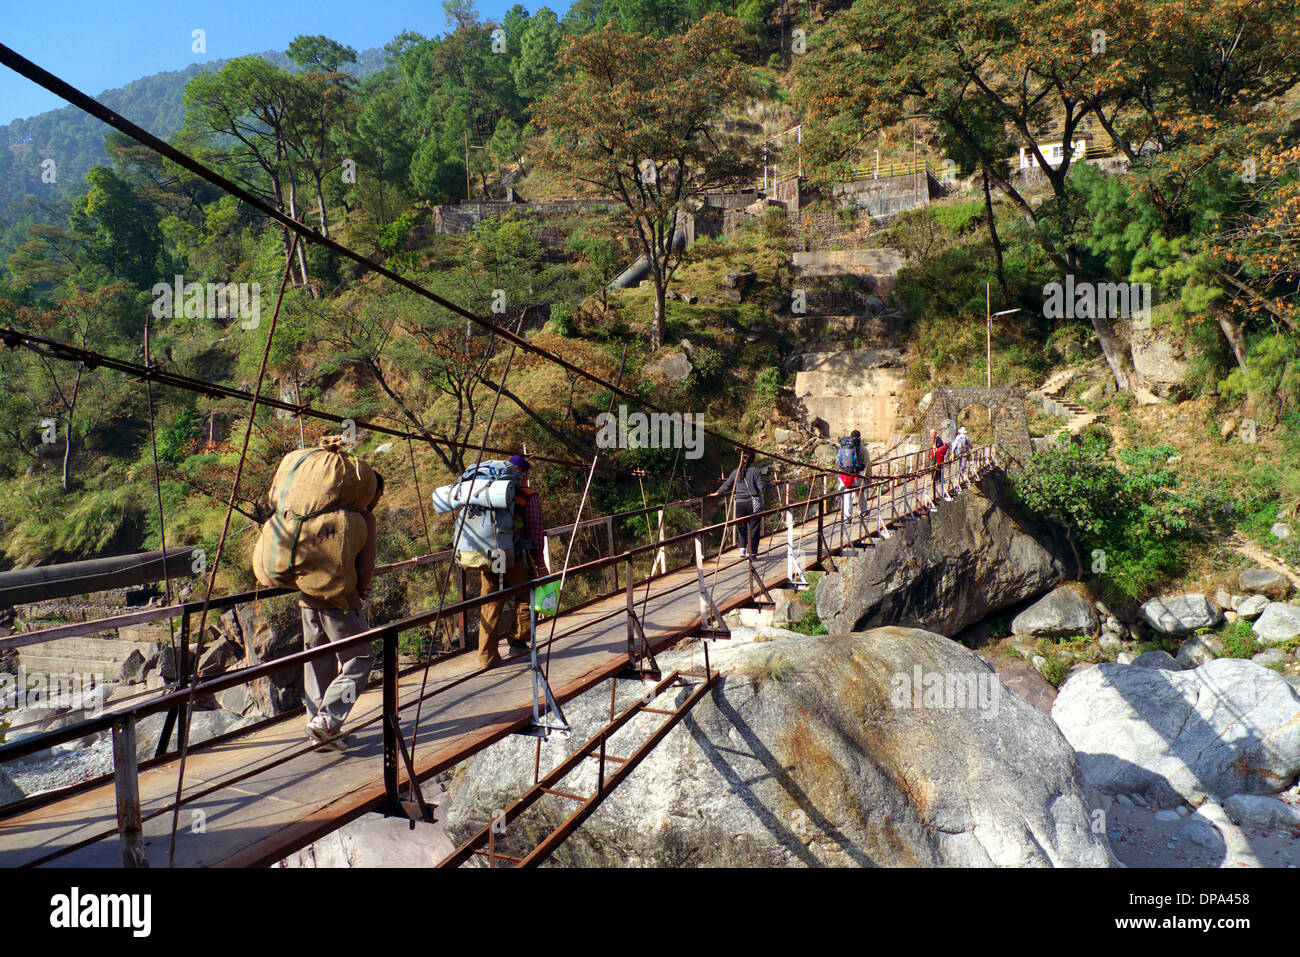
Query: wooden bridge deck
x=248 y=801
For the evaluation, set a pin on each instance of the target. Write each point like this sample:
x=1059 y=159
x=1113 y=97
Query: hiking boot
x=318 y=730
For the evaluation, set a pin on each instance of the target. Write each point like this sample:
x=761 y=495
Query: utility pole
x=467 y=149
x=988 y=322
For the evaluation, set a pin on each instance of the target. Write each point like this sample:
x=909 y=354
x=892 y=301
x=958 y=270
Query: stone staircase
x=1049 y=396
x=99 y=654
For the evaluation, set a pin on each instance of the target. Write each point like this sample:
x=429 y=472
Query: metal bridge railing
x=901 y=481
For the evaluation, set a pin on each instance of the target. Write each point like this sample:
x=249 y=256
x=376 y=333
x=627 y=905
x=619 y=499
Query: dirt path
x=1252 y=550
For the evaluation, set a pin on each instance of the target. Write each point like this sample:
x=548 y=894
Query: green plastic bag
x=546 y=600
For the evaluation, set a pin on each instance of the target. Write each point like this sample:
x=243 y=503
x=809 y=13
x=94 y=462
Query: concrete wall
x=463 y=217
x=888 y=195
x=885 y=260
x=852 y=390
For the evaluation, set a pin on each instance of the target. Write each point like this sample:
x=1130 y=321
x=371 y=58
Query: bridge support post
x=127 y=785
x=613 y=569
x=821 y=518
x=462 y=622
x=176 y=716
x=393 y=799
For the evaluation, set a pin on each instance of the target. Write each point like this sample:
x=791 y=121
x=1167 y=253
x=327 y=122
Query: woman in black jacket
x=751 y=490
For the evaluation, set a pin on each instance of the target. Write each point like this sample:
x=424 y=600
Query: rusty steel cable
x=62 y=88
x=221 y=545
x=459 y=526
x=93 y=359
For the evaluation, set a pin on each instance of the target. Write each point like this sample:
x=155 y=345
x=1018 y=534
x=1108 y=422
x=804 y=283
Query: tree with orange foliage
x=638 y=118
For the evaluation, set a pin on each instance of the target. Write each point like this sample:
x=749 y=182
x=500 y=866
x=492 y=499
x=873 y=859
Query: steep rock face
x=949 y=568
x=814 y=752
x=1159 y=360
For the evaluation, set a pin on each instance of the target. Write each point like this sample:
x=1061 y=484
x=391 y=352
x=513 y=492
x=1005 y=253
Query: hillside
x=734 y=347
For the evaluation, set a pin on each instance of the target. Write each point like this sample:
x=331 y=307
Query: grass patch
x=1057 y=667
x=810 y=622
x=1239 y=639
x=773 y=666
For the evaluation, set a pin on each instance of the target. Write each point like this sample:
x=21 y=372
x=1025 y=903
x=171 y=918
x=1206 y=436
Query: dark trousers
x=748 y=529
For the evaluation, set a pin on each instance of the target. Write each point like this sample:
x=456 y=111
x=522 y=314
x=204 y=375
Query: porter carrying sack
x=312 y=540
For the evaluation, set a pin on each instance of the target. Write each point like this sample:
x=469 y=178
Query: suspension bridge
x=262 y=792
x=252 y=796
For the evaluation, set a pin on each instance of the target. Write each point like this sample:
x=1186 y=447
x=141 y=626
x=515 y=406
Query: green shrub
x=1057 y=667
x=768 y=384
x=1239 y=639
x=1134 y=528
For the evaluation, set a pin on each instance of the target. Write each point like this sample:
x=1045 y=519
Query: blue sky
x=102 y=45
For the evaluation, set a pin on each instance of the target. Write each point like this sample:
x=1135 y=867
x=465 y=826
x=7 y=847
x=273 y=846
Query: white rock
x=1250 y=607
x=1157 y=659
x=1280 y=530
x=1201 y=832
x=1181 y=614
x=1227 y=727
x=1279 y=622
x=1269 y=657
x=1258 y=811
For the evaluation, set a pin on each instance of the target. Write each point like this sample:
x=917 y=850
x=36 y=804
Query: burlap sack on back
x=311 y=479
x=316 y=553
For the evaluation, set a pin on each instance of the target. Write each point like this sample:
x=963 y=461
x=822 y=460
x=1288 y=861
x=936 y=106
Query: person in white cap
x=961 y=449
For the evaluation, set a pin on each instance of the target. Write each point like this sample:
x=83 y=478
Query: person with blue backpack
x=499 y=532
x=852 y=464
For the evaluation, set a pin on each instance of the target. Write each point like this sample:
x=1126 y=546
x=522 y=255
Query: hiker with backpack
x=939 y=451
x=960 y=450
x=852 y=463
x=750 y=495
x=499 y=532
x=321 y=540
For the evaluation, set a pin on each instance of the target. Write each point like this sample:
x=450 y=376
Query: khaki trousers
x=493 y=626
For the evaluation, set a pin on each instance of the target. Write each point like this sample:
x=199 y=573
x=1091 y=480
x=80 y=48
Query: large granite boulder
x=1227 y=727
x=1178 y=615
x=1279 y=623
x=950 y=568
x=896 y=747
x=1061 y=613
x=203 y=726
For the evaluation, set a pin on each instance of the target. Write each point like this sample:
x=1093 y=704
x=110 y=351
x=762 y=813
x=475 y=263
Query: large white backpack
x=484 y=500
